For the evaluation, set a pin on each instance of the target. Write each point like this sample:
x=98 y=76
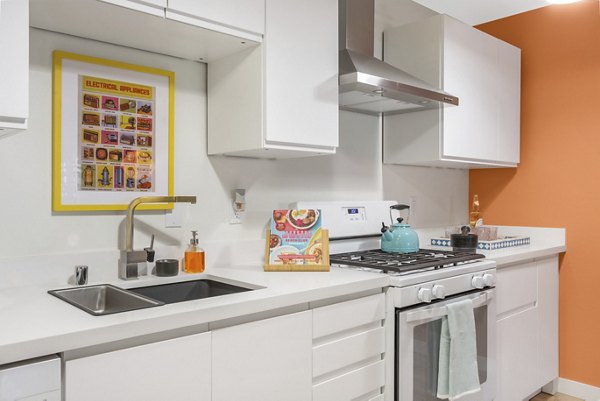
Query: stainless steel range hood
x=369 y=85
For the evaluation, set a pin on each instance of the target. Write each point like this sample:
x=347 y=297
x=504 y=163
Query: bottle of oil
x=194 y=256
x=474 y=215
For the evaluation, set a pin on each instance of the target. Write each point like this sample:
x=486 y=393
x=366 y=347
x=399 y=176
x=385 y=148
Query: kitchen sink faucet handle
x=81 y=275
x=150 y=252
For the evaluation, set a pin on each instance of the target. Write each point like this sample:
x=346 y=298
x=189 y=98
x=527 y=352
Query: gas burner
x=403 y=263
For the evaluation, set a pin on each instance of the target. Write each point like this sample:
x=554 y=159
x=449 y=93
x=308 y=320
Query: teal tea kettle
x=399 y=238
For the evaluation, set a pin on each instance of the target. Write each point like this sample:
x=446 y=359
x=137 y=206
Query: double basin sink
x=107 y=299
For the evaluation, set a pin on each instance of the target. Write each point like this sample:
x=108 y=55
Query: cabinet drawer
x=346 y=351
x=351 y=385
x=517 y=288
x=347 y=315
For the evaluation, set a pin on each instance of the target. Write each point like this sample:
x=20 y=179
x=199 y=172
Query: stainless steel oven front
x=418 y=341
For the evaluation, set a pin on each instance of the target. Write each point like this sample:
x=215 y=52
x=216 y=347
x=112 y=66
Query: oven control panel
x=438 y=288
x=354 y=213
x=347 y=219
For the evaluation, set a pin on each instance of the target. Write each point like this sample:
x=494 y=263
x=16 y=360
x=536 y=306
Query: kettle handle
x=399 y=207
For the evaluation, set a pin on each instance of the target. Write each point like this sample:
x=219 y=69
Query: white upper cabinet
x=247 y=16
x=154 y=7
x=482 y=71
x=279 y=100
x=141 y=24
x=14 y=67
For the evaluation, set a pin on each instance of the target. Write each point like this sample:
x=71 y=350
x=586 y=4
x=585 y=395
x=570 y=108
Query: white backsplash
x=29 y=228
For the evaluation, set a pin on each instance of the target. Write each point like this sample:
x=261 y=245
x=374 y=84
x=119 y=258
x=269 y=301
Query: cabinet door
x=517 y=352
x=548 y=310
x=178 y=369
x=247 y=15
x=14 y=68
x=301 y=72
x=508 y=82
x=469 y=130
x=268 y=360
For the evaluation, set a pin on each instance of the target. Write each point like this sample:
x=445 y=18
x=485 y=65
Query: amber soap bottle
x=193 y=261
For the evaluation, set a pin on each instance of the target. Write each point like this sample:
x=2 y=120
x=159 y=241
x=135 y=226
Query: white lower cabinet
x=177 y=369
x=267 y=360
x=527 y=328
x=348 y=348
x=328 y=353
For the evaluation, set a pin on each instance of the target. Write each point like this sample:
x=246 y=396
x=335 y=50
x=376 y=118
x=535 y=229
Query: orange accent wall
x=557 y=183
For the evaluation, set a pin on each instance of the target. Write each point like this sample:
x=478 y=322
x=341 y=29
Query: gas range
x=354 y=232
x=422 y=286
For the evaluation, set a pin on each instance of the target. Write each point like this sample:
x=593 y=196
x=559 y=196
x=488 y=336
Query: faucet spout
x=149 y=199
x=128 y=265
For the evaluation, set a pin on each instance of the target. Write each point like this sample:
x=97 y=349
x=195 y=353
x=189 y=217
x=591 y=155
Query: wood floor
x=557 y=397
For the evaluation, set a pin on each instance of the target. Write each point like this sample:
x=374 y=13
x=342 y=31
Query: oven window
x=426 y=349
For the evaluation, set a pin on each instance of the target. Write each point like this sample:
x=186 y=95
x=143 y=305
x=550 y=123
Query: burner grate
x=403 y=262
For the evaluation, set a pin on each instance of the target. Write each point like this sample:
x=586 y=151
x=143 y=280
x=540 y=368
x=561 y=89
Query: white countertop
x=35 y=323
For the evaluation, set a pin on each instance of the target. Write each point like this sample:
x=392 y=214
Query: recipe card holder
x=289 y=267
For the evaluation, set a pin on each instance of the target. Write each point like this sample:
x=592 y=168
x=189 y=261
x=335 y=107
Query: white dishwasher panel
x=32 y=380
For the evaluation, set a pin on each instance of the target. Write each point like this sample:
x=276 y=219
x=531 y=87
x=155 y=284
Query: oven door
x=418 y=343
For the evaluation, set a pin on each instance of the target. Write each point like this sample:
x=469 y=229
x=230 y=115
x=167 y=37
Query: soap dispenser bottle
x=194 y=256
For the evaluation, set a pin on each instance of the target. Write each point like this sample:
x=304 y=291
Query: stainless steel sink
x=188 y=290
x=104 y=299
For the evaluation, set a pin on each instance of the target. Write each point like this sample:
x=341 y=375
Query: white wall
x=29 y=227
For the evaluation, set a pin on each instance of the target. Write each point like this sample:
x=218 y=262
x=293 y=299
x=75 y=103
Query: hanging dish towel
x=457 y=373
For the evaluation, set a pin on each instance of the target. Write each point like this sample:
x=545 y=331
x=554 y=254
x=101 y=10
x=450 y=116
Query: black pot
x=464 y=242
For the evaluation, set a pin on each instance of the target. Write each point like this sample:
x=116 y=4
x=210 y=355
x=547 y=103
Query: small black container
x=167 y=267
x=464 y=242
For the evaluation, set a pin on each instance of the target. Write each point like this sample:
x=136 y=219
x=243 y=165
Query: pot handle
x=399 y=207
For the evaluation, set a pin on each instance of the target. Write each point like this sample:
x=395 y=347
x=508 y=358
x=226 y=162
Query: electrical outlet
x=174 y=217
x=413 y=206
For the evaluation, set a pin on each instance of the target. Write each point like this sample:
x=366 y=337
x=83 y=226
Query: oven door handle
x=437 y=312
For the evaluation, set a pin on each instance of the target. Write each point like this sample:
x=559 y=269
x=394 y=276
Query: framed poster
x=112 y=133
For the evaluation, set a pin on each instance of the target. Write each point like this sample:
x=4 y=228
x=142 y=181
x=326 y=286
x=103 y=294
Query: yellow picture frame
x=68 y=197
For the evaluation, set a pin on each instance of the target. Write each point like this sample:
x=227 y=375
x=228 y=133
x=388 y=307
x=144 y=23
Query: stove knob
x=425 y=295
x=489 y=280
x=477 y=282
x=438 y=291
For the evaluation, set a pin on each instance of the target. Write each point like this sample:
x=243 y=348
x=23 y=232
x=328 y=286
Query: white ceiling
x=476 y=12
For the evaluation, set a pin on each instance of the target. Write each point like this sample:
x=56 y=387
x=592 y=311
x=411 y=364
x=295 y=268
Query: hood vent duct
x=369 y=85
